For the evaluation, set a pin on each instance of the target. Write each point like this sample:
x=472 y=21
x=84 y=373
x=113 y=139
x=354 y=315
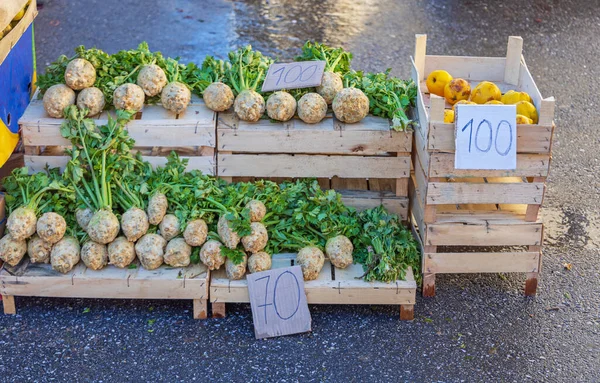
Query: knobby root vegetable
x=38 y=250
x=121 y=252
x=178 y=253
x=152 y=79
x=350 y=105
x=234 y=271
x=281 y=106
x=257 y=210
x=157 y=208
x=218 y=97
x=311 y=260
x=312 y=108
x=134 y=223
x=94 y=255
x=128 y=97
x=331 y=84
x=258 y=262
x=12 y=250
x=257 y=239
x=21 y=223
x=65 y=254
x=229 y=237
x=169 y=227
x=249 y=105
x=175 y=97
x=91 y=99
x=80 y=74
x=195 y=232
x=150 y=250
x=51 y=227
x=210 y=254
x=103 y=227
x=339 y=250
x=57 y=98
x=83 y=217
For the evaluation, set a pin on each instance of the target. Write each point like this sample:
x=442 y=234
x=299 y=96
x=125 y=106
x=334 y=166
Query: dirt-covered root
x=51 y=227
x=157 y=208
x=350 y=105
x=121 y=252
x=129 y=97
x=257 y=239
x=258 y=210
x=312 y=108
x=234 y=271
x=94 y=255
x=258 y=262
x=210 y=254
x=249 y=106
x=152 y=79
x=178 y=253
x=175 y=97
x=83 y=217
x=12 y=250
x=91 y=99
x=281 y=106
x=103 y=227
x=169 y=227
x=134 y=223
x=38 y=250
x=65 y=254
x=229 y=237
x=80 y=74
x=195 y=232
x=57 y=98
x=218 y=97
x=21 y=223
x=331 y=84
x=150 y=250
x=311 y=260
x=339 y=250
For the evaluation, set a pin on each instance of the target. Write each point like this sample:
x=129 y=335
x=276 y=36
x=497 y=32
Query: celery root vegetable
x=312 y=108
x=134 y=222
x=129 y=97
x=175 y=97
x=210 y=254
x=80 y=74
x=178 y=253
x=249 y=105
x=281 y=106
x=331 y=84
x=65 y=254
x=350 y=105
x=103 y=227
x=83 y=217
x=12 y=250
x=339 y=250
x=157 y=208
x=152 y=79
x=91 y=99
x=169 y=227
x=94 y=255
x=229 y=237
x=57 y=98
x=257 y=210
x=258 y=262
x=51 y=227
x=121 y=252
x=38 y=250
x=311 y=259
x=257 y=239
x=234 y=271
x=195 y=232
x=218 y=97
x=150 y=250
x=21 y=223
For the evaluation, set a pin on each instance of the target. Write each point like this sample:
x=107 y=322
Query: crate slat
x=457 y=234
x=448 y=263
x=528 y=165
x=461 y=193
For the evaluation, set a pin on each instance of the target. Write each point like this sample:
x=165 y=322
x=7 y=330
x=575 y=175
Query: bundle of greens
x=217 y=95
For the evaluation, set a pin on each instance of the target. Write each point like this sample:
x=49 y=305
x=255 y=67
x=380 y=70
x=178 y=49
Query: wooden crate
x=333 y=286
x=156 y=132
x=368 y=163
x=478 y=220
x=39 y=280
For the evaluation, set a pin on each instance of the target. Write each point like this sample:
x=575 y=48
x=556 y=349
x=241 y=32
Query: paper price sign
x=278 y=302
x=486 y=137
x=300 y=74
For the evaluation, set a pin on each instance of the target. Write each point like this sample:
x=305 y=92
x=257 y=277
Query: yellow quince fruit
x=456 y=90
x=512 y=97
x=437 y=80
x=448 y=116
x=485 y=91
x=528 y=110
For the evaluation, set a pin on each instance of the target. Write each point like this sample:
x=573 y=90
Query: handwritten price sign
x=278 y=302
x=486 y=137
x=301 y=74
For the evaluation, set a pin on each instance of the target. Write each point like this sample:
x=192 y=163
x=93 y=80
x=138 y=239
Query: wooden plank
x=546 y=111
x=419 y=59
x=11 y=39
x=436 y=110
x=458 y=234
x=439 y=193
x=466 y=67
x=282 y=165
x=447 y=263
x=428 y=285
x=421 y=111
x=8 y=10
x=338 y=183
x=527 y=84
x=8 y=302
x=514 y=52
x=528 y=165
x=416 y=210
x=407 y=312
x=200 y=308
x=420 y=152
x=219 y=310
x=363 y=200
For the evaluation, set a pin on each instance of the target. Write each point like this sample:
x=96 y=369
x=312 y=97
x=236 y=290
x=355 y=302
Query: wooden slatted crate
x=478 y=220
x=155 y=130
x=367 y=162
x=333 y=286
x=40 y=280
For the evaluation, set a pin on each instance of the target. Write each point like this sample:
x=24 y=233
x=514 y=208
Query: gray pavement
x=479 y=328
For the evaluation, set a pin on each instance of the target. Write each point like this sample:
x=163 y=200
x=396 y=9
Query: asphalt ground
x=478 y=328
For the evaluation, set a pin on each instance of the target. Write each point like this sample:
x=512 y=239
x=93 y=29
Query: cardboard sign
x=301 y=74
x=278 y=302
x=486 y=137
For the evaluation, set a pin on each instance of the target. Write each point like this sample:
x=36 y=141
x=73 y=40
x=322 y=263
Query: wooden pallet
x=156 y=132
x=40 y=280
x=478 y=220
x=333 y=286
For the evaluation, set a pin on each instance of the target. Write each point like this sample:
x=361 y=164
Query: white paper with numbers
x=486 y=137
x=294 y=75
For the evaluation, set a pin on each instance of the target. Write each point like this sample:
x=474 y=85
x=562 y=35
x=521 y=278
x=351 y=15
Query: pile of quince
x=14 y=22
x=458 y=91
